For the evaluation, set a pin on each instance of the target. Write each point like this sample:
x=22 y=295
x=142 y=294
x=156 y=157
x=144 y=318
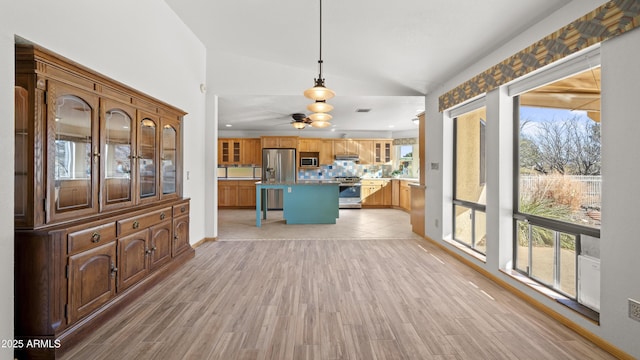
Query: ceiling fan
x=300 y=121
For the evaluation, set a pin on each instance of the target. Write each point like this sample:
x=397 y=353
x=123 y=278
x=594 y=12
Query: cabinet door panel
x=169 y=164
x=133 y=265
x=118 y=132
x=92 y=280
x=148 y=157
x=73 y=151
x=160 y=244
x=180 y=235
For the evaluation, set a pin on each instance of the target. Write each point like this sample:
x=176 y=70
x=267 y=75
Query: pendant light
x=319 y=92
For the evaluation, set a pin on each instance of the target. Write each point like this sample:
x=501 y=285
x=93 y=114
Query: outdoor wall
x=620 y=247
x=142 y=44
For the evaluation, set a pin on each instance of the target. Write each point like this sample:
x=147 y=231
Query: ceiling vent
x=363 y=110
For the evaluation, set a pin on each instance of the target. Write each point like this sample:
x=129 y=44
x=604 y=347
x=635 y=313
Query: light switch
x=289 y=189
x=435 y=166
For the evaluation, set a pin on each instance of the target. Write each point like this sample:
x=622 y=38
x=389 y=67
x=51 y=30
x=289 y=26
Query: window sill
x=467 y=250
x=587 y=312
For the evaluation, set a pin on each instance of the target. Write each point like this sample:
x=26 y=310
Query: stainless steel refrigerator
x=278 y=166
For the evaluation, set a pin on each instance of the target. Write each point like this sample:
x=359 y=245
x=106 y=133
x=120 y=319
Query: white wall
x=140 y=43
x=620 y=247
x=619 y=237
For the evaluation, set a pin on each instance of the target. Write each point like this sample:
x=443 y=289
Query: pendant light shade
x=320 y=117
x=319 y=92
x=320 y=124
x=319 y=107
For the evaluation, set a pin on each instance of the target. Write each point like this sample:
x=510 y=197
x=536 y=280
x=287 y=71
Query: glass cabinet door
x=21 y=174
x=117 y=156
x=74 y=155
x=147 y=158
x=169 y=157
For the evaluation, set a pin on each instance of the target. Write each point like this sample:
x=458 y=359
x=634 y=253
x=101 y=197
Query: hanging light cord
x=320 y=58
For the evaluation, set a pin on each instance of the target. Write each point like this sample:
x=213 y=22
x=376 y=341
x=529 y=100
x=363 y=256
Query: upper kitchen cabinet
x=85 y=145
x=309 y=145
x=252 y=151
x=239 y=151
x=346 y=147
x=285 y=142
x=229 y=151
x=326 y=152
x=382 y=151
x=365 y=151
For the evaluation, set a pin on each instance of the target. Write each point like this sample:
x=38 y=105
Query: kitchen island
x=304 y=202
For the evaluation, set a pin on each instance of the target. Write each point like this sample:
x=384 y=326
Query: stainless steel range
x=349 y=197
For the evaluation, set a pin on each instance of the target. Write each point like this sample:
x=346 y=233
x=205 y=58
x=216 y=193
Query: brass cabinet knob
x=95 y=237
x=183 y=209
x=162 y=216
x=136 y=224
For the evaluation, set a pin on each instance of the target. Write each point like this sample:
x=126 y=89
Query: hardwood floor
x=331 y=297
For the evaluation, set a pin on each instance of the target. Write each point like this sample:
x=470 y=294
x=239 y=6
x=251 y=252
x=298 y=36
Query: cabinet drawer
x=131 y=225
x=180 y=209
x=92 y=237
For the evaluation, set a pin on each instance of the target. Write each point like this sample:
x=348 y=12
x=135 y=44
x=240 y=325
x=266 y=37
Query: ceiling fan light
x=319 y=93
x=319 y=106
x=320 y=124
x=298 y=125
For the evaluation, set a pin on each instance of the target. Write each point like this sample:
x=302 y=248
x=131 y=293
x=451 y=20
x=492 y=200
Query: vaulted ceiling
x=378 y=55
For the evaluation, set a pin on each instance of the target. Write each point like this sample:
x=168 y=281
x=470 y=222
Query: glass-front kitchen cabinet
x=96 y=162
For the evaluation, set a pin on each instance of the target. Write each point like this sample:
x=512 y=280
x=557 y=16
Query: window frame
x=474 y=207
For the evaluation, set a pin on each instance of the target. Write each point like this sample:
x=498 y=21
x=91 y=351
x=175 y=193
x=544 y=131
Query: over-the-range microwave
x=309 y=162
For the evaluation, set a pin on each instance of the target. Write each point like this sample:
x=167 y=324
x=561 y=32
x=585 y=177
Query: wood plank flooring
x=338 y=298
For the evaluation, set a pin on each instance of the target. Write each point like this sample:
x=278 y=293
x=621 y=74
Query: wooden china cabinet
x=99 y=212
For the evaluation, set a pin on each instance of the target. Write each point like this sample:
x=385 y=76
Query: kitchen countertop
x=238 y=178
x=302 y=182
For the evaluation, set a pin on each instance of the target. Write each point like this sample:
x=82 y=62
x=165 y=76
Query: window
x=557 y=178
x=469 y=204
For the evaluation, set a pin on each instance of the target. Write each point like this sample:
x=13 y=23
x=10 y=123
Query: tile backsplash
x=344 y=168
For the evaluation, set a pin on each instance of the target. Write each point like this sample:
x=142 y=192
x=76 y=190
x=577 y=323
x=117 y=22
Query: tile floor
x=362 y=224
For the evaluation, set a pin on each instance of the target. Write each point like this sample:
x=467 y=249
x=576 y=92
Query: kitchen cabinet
x=229 y=151
x=94 y=159
x=246 y=193
x=251 y=152
x=395 y=193
x=309 y=145
x=345 y=147
x=376 y=193
x=382 y=151
x=365 y=151
x=227 y=193
x=326 y=152
x=239 y=151
x=237 y=193
x=285 y=142
x=405 y=195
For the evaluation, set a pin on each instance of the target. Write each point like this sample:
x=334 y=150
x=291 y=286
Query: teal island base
x=303 y=202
